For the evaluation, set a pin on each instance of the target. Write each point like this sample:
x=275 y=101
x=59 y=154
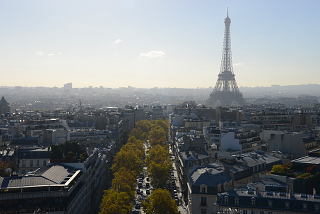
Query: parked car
x=147 y=185
x=140 y=184
x=147 y=192
x=137 y=206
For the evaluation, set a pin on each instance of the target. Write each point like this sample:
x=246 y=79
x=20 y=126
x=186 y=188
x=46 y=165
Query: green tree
x=157 y=136
x=143 y=125
x=159 y=165
x=162 y=123
x=278 y=169
x=159 y=173
x=137 y=133
x=158 y=154
x=123 y=176
x=160 y=202
x=114 y=202
x=137 y=146
x=129 y=160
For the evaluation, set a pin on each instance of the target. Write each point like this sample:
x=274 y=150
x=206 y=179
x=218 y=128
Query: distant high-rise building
x=226 y=90
x=67 y=87
x=4 y=106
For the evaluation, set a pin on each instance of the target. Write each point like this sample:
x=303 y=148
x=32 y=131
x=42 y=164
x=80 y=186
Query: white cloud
x=59 y=53
x=118 y=41
x=51 y=54
x=39 y=53
x=239 y=63
x=153 y=54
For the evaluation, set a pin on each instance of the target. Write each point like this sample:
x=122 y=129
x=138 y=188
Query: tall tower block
x=226 y=90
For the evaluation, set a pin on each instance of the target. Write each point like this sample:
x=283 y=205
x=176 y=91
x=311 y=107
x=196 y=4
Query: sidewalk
x=182 y=208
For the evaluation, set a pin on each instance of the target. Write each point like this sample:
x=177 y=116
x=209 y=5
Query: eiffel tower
x=226 y=90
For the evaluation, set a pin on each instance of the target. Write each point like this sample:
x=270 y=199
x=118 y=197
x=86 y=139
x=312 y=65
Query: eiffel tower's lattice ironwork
x=226 y=90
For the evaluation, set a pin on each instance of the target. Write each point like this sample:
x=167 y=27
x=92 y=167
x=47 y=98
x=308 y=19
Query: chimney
x=227 y=170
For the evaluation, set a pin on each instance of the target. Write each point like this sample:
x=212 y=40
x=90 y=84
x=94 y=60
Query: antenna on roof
x=227 y=12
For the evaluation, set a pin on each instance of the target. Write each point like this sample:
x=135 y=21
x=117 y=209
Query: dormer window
x=226 y=199
x=203 y=188
x=305 y=206
x=253 y=201
x=316 y=208
x=287 y=204
x=236 y=201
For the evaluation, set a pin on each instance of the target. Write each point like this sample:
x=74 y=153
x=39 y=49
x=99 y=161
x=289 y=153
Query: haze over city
x=157 y=43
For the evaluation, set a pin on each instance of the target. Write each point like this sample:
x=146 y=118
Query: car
x=140 y=180
x=141 y=175
x=138 y=191
x=140 y=184
x=137 y=206
x=135 y=211
x=177 y=201
x=147 y=185
x=147 y=192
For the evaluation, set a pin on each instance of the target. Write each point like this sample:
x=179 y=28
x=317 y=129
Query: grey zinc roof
x=209 y=176
x=24 y=141
x=34 y=153
x=49 y=175
x=192 y=156
x=307 y=160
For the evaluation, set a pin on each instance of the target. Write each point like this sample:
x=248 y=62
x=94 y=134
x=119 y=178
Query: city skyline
x=157 y=44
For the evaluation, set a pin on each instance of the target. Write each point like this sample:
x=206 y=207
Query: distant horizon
x=5 y=86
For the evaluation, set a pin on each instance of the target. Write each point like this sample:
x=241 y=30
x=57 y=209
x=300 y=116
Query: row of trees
x=126 y=167
x=128 y=164
x=159 y=164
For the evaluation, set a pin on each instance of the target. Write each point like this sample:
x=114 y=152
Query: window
x=203 y=211
x=244 y=212
x=23 y=171
x=237 y=201
x=203 y=201
x=44 y=162
x=24 y=163
x=203 y=190
x=31 y=162
x=253 y=202
x=38 y=163
x=261 y=212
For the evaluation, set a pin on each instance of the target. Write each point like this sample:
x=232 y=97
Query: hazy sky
x=157 y=43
